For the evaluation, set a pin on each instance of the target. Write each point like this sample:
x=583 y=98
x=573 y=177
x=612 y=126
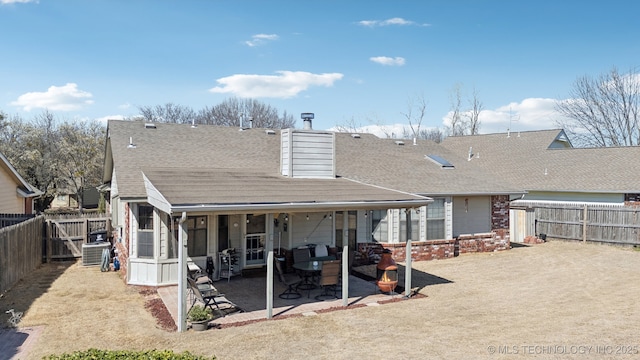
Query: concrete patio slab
x=250 y=295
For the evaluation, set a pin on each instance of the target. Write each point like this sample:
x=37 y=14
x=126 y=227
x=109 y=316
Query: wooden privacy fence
x=601 y=223
x=12 y=219
x=20 y=250
x=65 y=235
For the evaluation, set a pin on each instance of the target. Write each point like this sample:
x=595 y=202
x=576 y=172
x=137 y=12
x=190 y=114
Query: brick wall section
x=496 y=240
x=423 y=250
x=500 y=212
x=487 y=242
x=123 y=246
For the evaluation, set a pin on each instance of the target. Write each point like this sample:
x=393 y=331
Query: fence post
x=86 y=231
x=48 y=239
x=584 y=224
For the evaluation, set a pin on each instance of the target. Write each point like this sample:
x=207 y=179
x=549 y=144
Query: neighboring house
x=16 y=195
x=66 y=199
x=551 y=171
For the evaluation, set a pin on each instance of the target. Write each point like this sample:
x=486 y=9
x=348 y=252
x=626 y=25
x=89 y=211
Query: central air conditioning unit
x=92 y=252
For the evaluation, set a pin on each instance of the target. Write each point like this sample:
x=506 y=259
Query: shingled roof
x=224 y=167
x=535 y=161
x=404 y=165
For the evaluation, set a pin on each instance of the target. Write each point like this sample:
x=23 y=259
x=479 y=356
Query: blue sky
x=358 y=61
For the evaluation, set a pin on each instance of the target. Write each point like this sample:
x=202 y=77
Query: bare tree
x=416 y=110
x=350 y=126
x=234 y=111
x=457 y=125
x=603 y=111
x=32 y=148
x=54 y=157
x=464 y=121
x=434 y=134
x=168 y=113
x=473 y=114
x=81 y=152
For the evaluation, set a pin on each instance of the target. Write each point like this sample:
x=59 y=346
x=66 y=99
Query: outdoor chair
x=301 y=255
x=329 y=278
x=209 y=296
x=321 y=250
x=291 y=282
x=194 y=271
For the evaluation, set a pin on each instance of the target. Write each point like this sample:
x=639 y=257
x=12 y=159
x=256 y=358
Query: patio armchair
x=291 y=282
x=209 y=296
x=301 y=254
x=329 y=278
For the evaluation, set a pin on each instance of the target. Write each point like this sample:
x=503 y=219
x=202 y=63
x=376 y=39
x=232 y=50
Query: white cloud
x=529 y=114
x=104 y=119
x=57 y=98
x=286 y=84
x=260 y=39
x=390 y=61
x=124 y=106
x=3 y=2
x=389 y=22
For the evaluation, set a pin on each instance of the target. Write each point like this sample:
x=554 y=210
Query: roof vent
x=131 y=144
x=399 y=142
x=355 y=136
x=270 y=132
x=306 y=118
x=149 y=125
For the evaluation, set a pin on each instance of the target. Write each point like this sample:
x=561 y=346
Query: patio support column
x=345 y=275
x=269 y=270
x=407 y=256
x=345 y=258
x=182 y=273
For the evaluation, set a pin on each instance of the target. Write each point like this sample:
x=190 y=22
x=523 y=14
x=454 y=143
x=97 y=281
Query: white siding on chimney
x=308 y=154
x=285 y=152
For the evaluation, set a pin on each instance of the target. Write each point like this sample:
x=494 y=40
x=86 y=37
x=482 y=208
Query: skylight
x=440 y=161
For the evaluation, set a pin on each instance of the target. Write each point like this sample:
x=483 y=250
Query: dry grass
x=554 y=294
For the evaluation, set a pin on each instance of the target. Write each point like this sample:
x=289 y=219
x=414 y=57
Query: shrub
x=127 y=354
x=199 y=313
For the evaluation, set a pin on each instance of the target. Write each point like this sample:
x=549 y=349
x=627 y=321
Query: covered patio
x=248 y=293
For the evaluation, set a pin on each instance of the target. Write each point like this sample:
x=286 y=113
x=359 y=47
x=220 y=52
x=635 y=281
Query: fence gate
x=65 y=237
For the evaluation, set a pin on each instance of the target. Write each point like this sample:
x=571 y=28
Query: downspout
x=182 y=274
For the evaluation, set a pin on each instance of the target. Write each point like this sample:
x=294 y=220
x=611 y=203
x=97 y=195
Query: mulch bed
x=164 y=320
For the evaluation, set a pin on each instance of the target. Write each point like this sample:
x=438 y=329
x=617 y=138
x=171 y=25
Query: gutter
x=477 y=193
x=34 y=194
x=399 y=204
